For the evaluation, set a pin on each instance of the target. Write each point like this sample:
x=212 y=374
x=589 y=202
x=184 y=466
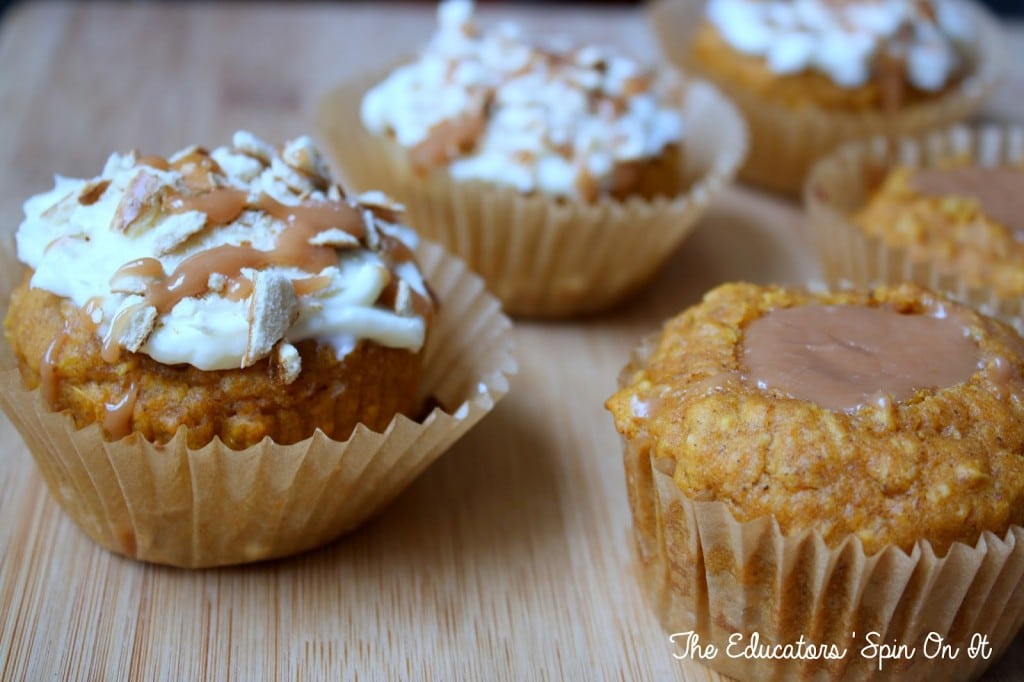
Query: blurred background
x=1008 y=8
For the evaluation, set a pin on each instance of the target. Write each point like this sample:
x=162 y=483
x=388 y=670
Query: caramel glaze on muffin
x=237 y=293
x=59 y=352
x=968 y=220
x=943 y=464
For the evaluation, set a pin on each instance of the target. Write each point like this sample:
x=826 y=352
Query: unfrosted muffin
x=820 y=465
x=539 y=161
x=941 y=210
x=236 y=293
x=965 y=218
x=813 y=73
x=221 y=358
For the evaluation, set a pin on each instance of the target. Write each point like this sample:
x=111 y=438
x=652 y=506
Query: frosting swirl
x=847 y=40
x=494 y=107
x=221 y=259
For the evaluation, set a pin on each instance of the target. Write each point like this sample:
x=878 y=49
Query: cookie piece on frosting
x=491 y=104
x=237 y=293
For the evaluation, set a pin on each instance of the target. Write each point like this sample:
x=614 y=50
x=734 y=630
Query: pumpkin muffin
x=236 y=294
x=538 y=160
x=221 y=357
x=800 y=463
x=809 y=75
x=964 y=218
x=565 y=120
x=942 y=210
x=857 y=55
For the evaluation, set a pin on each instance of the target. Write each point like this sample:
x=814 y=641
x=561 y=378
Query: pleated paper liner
x=540 y=255
x=215 y=506
x=785 y=142
x=709 y=575
x=842 y=183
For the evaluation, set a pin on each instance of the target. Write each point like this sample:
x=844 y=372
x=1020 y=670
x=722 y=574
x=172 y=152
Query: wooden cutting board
x=510 y=558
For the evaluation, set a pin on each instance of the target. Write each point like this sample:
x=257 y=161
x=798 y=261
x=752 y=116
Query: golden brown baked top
x=956 y=229
x=943 y=465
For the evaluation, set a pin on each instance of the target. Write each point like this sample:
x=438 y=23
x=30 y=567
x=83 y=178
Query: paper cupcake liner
x=842 y=183
x=785 y=142
x=707 y=574
x=214 y=506
x=540 y=255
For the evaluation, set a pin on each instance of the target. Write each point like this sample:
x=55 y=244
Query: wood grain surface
x=510 y=558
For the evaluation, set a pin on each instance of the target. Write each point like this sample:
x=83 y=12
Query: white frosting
x=843 y=39
x=554 y=113
x=75 y=248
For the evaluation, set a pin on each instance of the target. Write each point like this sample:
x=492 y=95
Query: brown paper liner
x=540 y=255
x=707 y=573
x=215 y=506
x=842 y=183
x=785 y=142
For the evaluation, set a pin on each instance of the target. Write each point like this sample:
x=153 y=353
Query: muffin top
x=899 y=44
x=895 y=415
x=219 y=259
x=493 y=105
x=965 y=219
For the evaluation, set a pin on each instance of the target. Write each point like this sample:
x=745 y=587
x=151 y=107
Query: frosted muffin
x=811 y=74
x=821 y=466
x=852 y=56
x=568 y=121
x=538 y=160
x=220 y=357
x=235 y=293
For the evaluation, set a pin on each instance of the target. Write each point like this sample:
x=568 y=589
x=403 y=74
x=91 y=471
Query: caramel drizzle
x=221 y=206
x=240 y=289
x=195 y=167
x=192 y=276
x=448 y=139
x=153 y=161
x=309 y=285
x=224 y=205
x=49 y=383
x=117 y=418
x=111 y=351
x=141 y=267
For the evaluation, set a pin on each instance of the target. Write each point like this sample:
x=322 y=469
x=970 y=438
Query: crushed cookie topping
x=491 y=105
x=851 y=41
x=221 y=259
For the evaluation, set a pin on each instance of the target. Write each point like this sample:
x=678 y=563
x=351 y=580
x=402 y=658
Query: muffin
x=540 y=162
x=810 y=468
x=809 y=75
x=941 y=210
x=232 y=311
x=235 y=293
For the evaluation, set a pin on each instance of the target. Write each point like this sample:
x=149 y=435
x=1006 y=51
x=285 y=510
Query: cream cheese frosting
x=221 y=259
x=844 y=40
x=496 y=107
